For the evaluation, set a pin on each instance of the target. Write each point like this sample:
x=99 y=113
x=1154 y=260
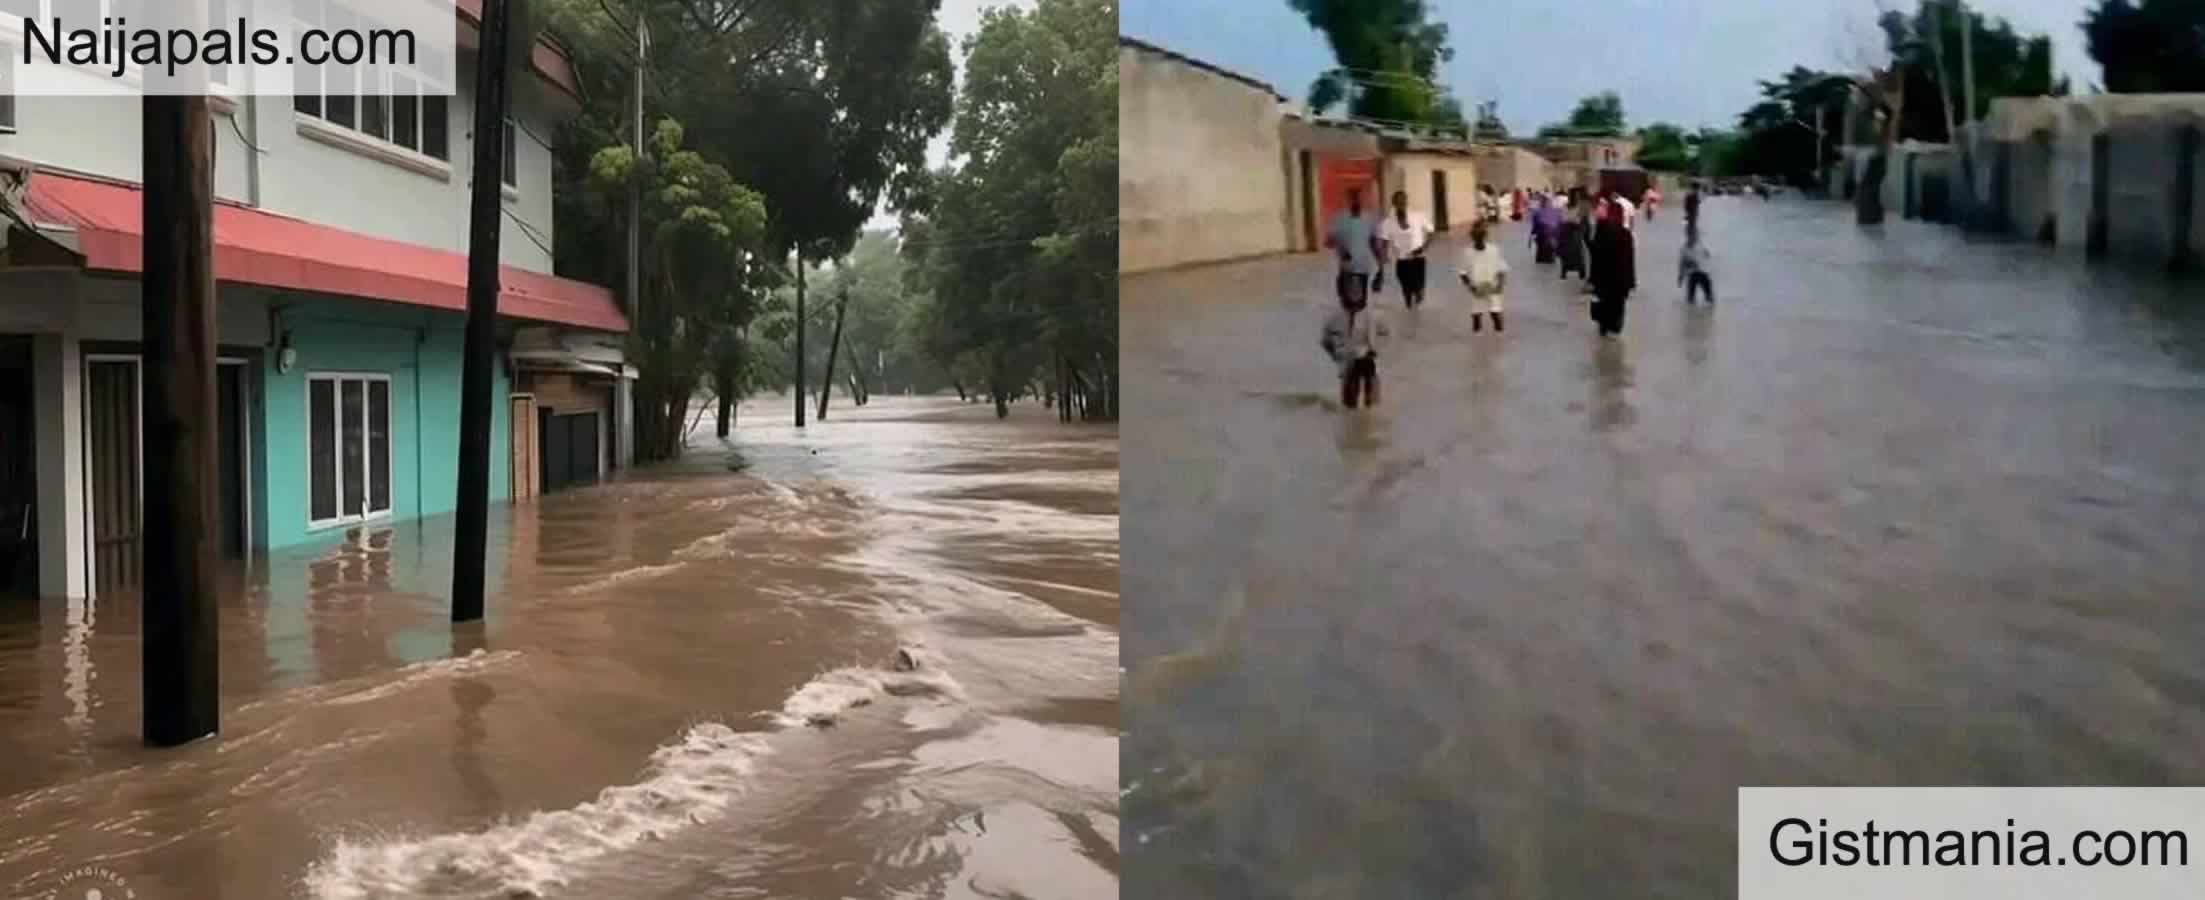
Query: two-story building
x=340 y=229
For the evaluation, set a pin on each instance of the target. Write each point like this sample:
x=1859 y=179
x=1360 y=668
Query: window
x=7 y=86
x=348 y=448
x=512 y=174
x=396 y=105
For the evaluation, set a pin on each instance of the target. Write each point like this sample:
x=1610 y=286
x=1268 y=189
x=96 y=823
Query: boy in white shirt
x=1485 y=273
x=1352 y=335
x=1403 y=235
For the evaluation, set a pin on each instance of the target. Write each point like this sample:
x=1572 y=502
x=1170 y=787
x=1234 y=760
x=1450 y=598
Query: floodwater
x=1902 y=509
x=687 y=687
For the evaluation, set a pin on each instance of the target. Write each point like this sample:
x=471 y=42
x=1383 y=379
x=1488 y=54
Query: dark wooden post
x=177 y=303
x=800 y=338
x=2181 y=256
x=834 y=348
x=471 y=547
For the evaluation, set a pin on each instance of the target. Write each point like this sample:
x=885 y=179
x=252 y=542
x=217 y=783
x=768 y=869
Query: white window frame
x=9 y=109
x=353 y=136
x=221 y=91
x=368 y=461
x=509 y=159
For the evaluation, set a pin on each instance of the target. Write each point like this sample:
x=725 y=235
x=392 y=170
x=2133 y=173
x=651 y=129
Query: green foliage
x=1597 y=115
x=1389 y=58
x=778 y=125
x=1017 y=246
x=1490 y=125
x=1664 y=147
x=2153 y=46
x=2007 y=64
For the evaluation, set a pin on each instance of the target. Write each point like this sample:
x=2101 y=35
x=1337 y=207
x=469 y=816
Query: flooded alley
x=689 y=686
x=1900 y=509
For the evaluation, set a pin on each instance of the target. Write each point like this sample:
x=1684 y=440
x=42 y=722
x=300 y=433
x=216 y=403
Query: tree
x=1389 y=58
x=1017 y=246
x=1600 y=115
x=704 y=261
x=2155 y=46
x=1664 y=147
x=1489 y=121
x=815 y=108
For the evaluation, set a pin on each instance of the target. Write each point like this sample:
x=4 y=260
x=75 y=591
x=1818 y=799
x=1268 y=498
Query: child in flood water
x=1352 y=335
x=1693 y=266
x=1485 y=273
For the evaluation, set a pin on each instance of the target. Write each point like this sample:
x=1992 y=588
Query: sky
x=1692 y=62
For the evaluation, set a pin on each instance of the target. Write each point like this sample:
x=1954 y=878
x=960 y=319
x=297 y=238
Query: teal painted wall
x=420 y=351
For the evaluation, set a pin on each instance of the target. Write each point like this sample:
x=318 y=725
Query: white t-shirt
x=1484 y=267
x=1405 y=239
x=1630 y=212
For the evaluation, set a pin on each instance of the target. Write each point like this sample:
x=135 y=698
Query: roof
x=257 y=247
x=547 y=57
x=1138 y=44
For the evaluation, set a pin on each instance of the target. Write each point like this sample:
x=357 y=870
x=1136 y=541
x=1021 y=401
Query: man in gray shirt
x=1355 y=241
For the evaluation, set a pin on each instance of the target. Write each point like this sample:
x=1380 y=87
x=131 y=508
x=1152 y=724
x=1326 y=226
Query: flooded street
x=688 y=687
x=1900 y=510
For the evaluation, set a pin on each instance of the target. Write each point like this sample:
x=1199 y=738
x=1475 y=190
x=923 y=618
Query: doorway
x=1439 y=200
x=114 y=466
x=112 y=463
x=1309 y=205
x=18 y=471
x=525 y=466
x=569 y=447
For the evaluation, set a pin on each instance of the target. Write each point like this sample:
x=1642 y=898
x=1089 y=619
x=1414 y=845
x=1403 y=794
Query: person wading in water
x=1403 y=238
x=1614 y=270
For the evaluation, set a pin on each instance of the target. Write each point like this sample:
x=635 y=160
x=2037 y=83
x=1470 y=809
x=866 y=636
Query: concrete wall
x=419 y=349
x=325 y=175
x=1199 y=165
x=2140 y=181
x=1412 y=172
x=1509 y=168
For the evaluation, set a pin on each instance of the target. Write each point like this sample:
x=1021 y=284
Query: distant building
x=340 y=231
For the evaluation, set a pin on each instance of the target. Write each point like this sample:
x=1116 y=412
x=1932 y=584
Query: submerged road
x=1900 y=509
x=688 y=686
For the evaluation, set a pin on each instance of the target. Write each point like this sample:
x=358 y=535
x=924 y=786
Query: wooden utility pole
x=799 y=338
x=180 y=648
x=834 y=348
x=635 y=206
x=471 y=547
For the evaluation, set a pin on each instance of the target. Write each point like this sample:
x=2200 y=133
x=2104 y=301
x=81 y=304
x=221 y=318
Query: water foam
x=823 y=701
x=417 y=673
x=689 y=782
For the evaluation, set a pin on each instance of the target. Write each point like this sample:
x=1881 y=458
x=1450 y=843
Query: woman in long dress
x=1614 y=272
x=1569 y=239
x=1546 y=227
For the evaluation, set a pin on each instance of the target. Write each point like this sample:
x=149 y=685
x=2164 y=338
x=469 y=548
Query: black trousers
x=1410 y=272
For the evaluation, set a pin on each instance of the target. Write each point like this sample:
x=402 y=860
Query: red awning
x=257 y=247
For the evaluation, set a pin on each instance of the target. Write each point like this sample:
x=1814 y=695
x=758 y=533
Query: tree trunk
x=799 y=338
x=471 y=540
x=834 y=348
x=960 y=386
x=180 y=651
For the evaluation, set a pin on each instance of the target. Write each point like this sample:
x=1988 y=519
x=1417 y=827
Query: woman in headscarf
x=1569 y=237
x=1546 y=229
x=1614 y=271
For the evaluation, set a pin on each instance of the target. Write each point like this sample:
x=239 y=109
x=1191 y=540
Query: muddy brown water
x=685 y=688
x=1901 y=509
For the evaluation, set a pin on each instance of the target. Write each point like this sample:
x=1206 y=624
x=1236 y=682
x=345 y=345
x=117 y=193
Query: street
x=688 y=686
x=1900 y=509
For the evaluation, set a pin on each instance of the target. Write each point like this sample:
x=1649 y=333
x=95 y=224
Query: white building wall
x=340 y=183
